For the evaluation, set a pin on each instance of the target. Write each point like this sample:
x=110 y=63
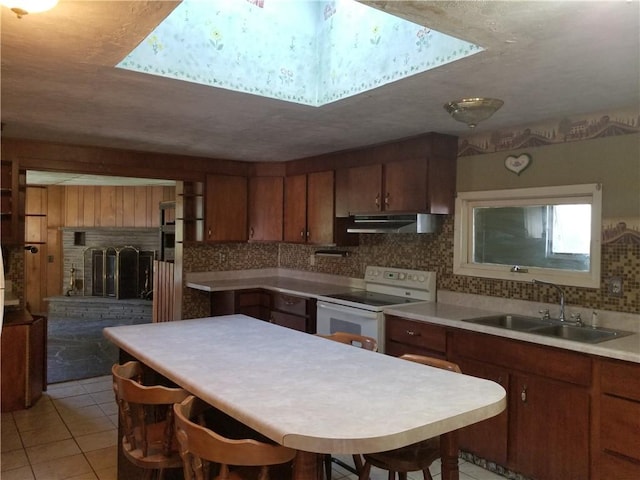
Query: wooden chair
x=412 y=458
x=361 y=341
x=368 y=343
x=146 y=417
x=200 y=446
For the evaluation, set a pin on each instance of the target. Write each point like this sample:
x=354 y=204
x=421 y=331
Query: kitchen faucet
x=562 y=317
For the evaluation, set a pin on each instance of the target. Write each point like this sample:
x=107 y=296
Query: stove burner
x=372 y=298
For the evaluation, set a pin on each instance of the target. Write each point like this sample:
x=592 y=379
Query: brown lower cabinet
x=24 y=357
x=253 y=302
x=294 y=312
x=487 y=439
x=548 y=390
x=290 y=311
x=410 y=336
x=546 y=432
x=616 y=421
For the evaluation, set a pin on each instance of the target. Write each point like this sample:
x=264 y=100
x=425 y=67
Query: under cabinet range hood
x=394 y=223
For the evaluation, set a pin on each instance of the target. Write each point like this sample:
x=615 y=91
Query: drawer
x=620 y=426
x=621 y=379
x=419 y=334
x=549 y=362
x=290 y=304
x=252 y=298
x=290 y=321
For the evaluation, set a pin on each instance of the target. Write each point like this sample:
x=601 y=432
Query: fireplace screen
x=120 y=272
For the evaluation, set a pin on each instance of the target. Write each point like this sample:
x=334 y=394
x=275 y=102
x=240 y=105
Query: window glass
x=550 y=233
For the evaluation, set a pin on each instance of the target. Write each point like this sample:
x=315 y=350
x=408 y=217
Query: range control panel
x=398 y=277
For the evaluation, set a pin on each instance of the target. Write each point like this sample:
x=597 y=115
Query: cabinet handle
x=378 y=201
x=411 y=333
x=209 y=232
x=301 y=233
x=251 y=232
x=386 y=200
x=308 y=233
x=523 y=394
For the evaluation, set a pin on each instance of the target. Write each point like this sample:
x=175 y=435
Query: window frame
x=464 y=236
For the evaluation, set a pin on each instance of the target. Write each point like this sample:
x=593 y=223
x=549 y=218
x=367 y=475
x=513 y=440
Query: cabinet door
x=37 y=359
x=265 y=208
x=365 y=189
x=295 y=209
x=551 y=428
x=320 y=208
x=226 y=208
x=487 y=439
x=405 y=186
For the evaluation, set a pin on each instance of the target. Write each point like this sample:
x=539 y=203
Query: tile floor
x=71 y=434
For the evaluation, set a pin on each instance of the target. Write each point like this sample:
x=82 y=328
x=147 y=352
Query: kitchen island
x=311 y=394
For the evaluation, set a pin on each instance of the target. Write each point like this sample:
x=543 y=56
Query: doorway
x=56 y=203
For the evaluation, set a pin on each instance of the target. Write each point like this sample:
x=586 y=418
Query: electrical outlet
x=312 y=260
x=615 y=286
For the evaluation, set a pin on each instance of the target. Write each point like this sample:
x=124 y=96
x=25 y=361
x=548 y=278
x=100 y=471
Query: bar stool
x=200 y=446
x=361 y=341
x=146 y=416
x=412 y=458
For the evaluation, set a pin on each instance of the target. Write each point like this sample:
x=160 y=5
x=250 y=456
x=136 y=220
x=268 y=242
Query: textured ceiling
x=545 y=59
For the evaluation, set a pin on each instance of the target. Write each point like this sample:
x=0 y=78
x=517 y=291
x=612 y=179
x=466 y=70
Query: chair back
x=362 y=341
x=146 y=416
x=200 y=445
x=432 y=362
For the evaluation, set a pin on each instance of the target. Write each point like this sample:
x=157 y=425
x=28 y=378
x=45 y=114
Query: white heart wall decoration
x=517 y=164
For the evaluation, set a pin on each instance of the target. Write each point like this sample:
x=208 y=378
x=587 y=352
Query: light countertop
x=291 y=282
x=307 y=392
x=447 y=312
x=448 y=315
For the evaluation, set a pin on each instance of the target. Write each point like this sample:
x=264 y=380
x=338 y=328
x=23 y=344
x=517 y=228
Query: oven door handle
x=349 y=310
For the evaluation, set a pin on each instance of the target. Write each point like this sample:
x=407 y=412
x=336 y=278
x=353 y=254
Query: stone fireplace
x=109 y=262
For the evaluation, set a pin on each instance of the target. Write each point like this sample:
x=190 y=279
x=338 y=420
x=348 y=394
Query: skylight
x=311 y=52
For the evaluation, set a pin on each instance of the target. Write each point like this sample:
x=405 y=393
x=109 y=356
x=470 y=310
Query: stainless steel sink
x=549 y=328
x=512 y=322
x=580 y=334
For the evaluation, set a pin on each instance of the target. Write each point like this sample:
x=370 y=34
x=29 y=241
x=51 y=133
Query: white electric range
x=360 y=311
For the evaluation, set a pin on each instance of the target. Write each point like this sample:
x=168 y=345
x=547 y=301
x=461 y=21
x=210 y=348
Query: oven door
x=333 y=318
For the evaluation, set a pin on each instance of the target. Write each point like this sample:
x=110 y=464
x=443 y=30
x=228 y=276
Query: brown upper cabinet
x=309 y=208
x=226 y=208
x=265 y=208
x=414 y=185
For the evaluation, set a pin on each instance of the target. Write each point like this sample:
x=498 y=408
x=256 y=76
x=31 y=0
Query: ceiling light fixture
x=23 y=7
x=473 y=110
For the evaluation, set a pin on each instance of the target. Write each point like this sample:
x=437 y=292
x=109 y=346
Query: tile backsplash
x=427 y=252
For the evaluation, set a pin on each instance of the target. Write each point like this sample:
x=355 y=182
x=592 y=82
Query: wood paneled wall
x=49 y=208
x=115 y=206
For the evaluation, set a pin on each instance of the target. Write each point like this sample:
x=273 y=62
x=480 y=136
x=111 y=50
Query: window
x=549 y=233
